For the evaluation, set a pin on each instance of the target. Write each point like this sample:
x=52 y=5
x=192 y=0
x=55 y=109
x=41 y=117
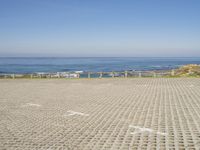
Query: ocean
x=93 y=64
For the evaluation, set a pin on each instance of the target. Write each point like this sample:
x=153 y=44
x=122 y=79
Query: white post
x=113 y=75
x=88 y=74
x=126 y=74
x=13 y=76
x=100 y=75
x=140 y=74
x=154 y=75
x=190 y=72
x=172 y=73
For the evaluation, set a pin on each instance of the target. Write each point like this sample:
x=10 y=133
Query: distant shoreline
x=186 y=71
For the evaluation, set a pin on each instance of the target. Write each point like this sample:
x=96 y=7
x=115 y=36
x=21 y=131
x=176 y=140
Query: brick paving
x=84 y=114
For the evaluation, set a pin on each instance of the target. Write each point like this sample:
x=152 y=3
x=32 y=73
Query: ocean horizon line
x=99 y=57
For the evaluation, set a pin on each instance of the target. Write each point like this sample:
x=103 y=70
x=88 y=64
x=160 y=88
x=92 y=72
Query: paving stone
x=100 y=114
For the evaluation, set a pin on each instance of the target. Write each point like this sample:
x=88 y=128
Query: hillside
x=188 y=70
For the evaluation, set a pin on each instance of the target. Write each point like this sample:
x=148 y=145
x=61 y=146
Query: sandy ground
x=100 y=114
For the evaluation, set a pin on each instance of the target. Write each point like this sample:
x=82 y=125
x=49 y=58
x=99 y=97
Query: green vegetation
x=191 y=70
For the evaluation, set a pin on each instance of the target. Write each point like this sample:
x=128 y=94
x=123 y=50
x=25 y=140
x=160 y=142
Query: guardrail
x=124 y=74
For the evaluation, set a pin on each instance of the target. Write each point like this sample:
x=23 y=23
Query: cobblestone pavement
x=86 y=114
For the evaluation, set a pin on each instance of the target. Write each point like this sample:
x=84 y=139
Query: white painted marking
x=141 y=129
x=31 y=104
x=135 y=133
x=72 y=113
x=161 y=133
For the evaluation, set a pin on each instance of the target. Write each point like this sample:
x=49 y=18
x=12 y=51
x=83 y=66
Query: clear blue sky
x=100 y=28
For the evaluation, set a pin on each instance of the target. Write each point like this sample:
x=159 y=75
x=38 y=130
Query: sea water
x=93 y=64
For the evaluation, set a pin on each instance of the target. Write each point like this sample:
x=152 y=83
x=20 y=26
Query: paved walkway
x=98 y=114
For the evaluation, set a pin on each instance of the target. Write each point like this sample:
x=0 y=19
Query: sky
x=100 y=28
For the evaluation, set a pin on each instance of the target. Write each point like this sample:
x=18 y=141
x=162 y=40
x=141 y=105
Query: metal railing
x=113 y=74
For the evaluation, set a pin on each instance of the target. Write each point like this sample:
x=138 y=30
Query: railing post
x=113 y=75
x=126 y=74
x=172 y=72
x=154 y=74
x=100 y=75
x=140 y=74
x=190 y=72
x=88 y=74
